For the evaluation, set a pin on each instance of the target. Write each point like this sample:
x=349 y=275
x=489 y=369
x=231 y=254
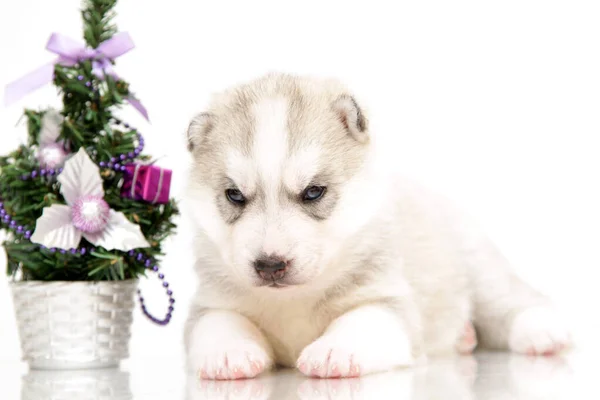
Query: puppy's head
x=278 y=181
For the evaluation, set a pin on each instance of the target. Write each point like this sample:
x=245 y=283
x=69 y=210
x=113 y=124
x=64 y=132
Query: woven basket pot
x=74 y=325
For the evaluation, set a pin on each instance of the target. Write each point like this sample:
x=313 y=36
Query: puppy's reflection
x=394 y=385
x=259 y=388
x=527 y=378
x=93 y=384
x=497 y=376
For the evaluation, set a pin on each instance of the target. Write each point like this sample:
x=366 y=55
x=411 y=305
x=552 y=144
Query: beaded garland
x=149 y=263
x=115 y=163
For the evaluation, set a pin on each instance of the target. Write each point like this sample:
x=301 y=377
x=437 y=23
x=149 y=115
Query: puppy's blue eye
x=235 y=196
x=313 y=193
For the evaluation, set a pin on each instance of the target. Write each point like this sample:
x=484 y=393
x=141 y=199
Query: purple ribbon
x=70 y=53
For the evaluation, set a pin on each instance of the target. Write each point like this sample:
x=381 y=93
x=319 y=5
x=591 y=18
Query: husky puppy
x=310 y=255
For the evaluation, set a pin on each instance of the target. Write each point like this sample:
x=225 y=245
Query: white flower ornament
x=51 y=153
x=86 y=213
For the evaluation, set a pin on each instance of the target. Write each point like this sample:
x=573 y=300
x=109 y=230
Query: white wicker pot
x=74 y=325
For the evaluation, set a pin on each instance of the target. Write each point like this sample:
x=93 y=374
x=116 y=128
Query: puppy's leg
x=367 y=339
x=509 y=314
x=225 y=345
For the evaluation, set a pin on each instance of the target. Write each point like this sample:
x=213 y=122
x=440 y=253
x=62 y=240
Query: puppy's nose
x=271 y=268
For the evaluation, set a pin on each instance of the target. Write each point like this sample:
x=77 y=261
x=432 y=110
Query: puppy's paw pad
x=539 y=331
x=234 y=360
x=467 y=340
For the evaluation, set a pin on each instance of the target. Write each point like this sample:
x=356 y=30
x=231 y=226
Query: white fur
x=300 y=168
x=270 y=145
x=365 y=340
x=228 y=346
x=537 y=331
x=392 y=275
x=241 y=171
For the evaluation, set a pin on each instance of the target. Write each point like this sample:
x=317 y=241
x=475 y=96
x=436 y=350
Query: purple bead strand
x=149 y=264
x=116 y=163
x=20 y=230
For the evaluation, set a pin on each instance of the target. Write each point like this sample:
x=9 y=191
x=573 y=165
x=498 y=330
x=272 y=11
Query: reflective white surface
x=488 y=376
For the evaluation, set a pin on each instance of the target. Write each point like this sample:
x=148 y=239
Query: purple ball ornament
x=90 y=214
x=51 y=155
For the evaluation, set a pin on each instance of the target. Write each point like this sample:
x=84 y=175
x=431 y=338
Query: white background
x=496 y=104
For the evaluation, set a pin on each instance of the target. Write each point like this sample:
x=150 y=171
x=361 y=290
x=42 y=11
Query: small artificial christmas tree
x=80 y=201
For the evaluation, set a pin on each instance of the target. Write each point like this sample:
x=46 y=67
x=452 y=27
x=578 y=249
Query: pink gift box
x=146 y=182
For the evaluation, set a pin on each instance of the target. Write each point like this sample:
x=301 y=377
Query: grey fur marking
x=311 y=122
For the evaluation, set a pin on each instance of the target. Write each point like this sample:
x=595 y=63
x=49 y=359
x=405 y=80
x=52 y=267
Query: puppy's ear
x=199 y=127
x=352 y=117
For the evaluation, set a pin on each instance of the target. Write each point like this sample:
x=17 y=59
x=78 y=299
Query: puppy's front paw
x=332 y=356
x=539 y=331
x=234 y=359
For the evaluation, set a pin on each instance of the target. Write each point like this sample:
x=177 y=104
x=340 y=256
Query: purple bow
x=70 y=53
